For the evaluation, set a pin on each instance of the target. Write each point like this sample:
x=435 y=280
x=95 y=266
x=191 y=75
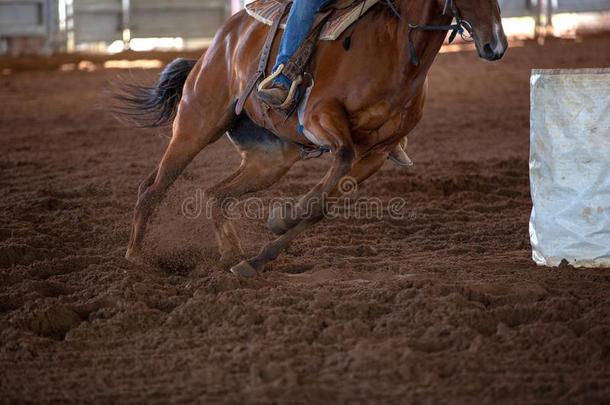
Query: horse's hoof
x=134 y=257
x=131 y=256
x=227 y=260
x=244 y=269
x=399 y=157
x=276 y=223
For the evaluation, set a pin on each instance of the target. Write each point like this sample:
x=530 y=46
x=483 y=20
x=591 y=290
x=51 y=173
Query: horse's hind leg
x=189 y=137
x=265 y=159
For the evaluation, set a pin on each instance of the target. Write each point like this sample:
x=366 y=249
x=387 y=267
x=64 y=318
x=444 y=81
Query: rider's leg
x=298 y=25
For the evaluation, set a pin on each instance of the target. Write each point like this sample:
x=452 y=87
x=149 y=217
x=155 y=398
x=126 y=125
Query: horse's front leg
x=361 y=171
x=332 y=127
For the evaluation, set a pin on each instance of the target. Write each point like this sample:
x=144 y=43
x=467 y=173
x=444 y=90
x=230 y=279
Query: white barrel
x=570 y=167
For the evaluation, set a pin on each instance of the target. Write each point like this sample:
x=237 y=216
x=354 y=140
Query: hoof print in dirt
x=15 y=254
x=54 y=322
x=178 y=262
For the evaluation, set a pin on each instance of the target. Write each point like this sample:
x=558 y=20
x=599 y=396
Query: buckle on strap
x=462 y=27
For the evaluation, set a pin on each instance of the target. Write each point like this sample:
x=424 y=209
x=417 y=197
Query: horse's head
x=484 y=18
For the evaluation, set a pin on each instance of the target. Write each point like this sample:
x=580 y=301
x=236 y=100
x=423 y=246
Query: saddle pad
x=266 y=11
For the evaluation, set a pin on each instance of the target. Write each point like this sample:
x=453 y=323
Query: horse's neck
x=422 y=12
x=427 y=44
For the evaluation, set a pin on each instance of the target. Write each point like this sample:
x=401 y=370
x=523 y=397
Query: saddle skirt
x=266 y=11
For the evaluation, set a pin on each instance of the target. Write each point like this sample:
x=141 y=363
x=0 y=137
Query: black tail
x=150 y=107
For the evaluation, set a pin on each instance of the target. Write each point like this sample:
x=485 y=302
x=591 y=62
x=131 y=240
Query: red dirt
x=443 y=306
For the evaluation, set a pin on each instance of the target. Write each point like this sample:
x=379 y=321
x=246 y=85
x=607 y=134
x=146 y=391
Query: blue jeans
x=298 y=25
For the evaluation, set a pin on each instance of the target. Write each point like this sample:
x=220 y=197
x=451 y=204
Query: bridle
x=461 y=26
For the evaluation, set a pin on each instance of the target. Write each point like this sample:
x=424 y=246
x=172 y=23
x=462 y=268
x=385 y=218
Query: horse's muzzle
x=490 y=53
x=496 y=48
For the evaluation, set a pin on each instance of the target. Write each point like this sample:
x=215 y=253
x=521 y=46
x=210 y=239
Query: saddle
x=329 y=24
x=346 y=12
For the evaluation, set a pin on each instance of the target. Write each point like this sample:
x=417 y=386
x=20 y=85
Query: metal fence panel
x=516 y=8
x=97 y=20
x=576 y=6
x=23 y=18
x=178 y=18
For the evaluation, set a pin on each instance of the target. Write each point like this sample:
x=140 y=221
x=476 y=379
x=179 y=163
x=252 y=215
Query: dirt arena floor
x=441 y=306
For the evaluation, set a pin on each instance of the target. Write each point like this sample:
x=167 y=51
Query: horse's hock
x=570 y=167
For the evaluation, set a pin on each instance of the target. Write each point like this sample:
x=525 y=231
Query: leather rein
x=461 y=27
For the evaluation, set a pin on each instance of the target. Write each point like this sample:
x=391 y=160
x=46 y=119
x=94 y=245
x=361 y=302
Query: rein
x=461 y=26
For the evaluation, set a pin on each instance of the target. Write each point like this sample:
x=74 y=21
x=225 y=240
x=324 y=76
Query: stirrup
x=266 y=83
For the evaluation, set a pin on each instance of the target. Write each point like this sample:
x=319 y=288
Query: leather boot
x=275 y=94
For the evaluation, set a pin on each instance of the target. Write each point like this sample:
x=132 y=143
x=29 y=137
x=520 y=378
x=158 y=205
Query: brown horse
x=364 y=102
